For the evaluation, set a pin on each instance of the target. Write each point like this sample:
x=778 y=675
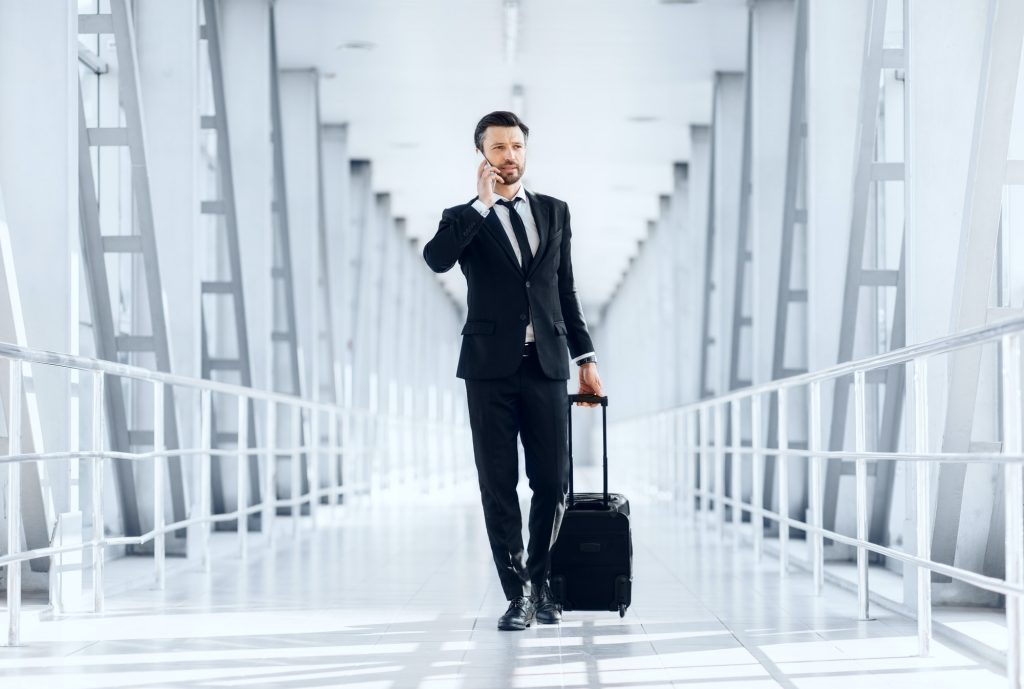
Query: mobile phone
x=489 y=164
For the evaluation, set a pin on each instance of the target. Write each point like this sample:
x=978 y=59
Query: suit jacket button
x=522 y=316
x=527 y=283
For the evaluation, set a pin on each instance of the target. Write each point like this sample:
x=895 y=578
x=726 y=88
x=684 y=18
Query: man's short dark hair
x=498 y=118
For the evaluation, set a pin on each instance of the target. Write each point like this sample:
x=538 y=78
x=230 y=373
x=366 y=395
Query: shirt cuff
x=481 y=208
x=581 y=356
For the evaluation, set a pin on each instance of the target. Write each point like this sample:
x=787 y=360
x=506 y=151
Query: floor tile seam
x=81 y=648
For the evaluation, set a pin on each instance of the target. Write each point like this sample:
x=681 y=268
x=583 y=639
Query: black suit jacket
x=502 y=298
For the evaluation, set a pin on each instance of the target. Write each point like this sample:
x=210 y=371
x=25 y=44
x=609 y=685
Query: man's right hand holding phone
x=486 y=177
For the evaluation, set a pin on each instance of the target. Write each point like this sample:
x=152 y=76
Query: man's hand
x=486 y=177
x=590 y=384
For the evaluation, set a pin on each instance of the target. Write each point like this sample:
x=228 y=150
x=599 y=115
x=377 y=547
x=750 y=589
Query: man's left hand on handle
x=590 y=383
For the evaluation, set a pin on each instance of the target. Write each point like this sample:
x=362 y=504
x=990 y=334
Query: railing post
x=922 y=507
x=333 y=456
x=782 y=462
x=690 y=494
x=368 y=450
x=736 y=466
x=242 y=489
x=1013 y=492
x=861 y=476
x=720 y=467
x=817 y=540
x=159 y=464
x=205 y=507
x=14 y=506
x=313 y=466
x=296 y=458
x=96 y=492
x=703 y=447
x=756 y=477
x=270 y=474
x=678 y=467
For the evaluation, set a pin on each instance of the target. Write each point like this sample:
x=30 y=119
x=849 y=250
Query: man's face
x=505 y=149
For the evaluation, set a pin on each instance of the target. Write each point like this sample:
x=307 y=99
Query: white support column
x=361 y=219
x=955 y=206
x=383 y=225
x=300 y=120
x=699 y=169
x=682 y=270
x=245 y=52
x=835 y=53
x=167 y=36
x=728 y=152
x=774 y=24
x=341 y=241
x=39 y=184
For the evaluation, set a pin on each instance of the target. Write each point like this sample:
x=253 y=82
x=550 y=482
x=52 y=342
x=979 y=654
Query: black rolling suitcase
x=592 y=560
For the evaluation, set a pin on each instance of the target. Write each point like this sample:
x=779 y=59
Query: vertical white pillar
x=835 y=51
x=300 y=122
x=774 y=24
x=39 y=185
x=699 y=174
x=946 y=48
x=683 y=266
x=361 y=219
x=341 y=241
x=728 y=153
x=245 y=53
x=167 y=37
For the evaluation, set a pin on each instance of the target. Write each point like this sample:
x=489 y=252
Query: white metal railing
x=367 y=450
x=688 y=444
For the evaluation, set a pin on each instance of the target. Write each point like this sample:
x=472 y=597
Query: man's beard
x=508 y=178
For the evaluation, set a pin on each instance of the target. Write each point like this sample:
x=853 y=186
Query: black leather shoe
x=546 y=609
x=518 y=616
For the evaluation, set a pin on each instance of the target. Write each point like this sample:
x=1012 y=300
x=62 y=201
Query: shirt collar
x=521 y=194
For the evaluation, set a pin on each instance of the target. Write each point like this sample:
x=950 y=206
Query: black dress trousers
x=533 y=406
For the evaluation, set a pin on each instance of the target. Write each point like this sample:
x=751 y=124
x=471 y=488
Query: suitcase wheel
x=622 y=610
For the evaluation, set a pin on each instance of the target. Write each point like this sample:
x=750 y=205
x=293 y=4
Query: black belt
x=529 y=348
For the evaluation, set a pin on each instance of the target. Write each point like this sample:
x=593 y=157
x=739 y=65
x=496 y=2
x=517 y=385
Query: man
x=513 y=247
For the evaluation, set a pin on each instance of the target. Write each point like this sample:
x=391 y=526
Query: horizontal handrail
x=41 y=356
x=940 y=345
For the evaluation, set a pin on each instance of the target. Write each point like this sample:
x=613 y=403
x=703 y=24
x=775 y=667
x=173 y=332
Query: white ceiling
x=413 y=99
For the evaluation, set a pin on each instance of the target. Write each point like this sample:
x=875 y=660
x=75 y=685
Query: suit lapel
x=540 y=218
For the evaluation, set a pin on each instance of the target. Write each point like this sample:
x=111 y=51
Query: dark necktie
x=519 y=229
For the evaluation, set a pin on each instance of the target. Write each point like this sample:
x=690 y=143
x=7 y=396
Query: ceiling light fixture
x=511 y=30
x=357 y=45
x=518 y=100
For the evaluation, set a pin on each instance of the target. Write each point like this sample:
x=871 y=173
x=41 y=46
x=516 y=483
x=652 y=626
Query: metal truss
x=111 y=343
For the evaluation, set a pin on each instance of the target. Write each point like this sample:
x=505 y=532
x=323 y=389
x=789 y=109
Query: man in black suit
x=513 y=247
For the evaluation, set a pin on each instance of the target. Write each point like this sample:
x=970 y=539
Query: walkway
x=401 y=594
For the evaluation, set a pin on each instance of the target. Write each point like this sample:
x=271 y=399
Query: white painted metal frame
x=455 y=431
x=711 y=452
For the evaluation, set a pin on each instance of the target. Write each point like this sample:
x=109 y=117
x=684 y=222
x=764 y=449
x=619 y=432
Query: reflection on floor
x=401 y=594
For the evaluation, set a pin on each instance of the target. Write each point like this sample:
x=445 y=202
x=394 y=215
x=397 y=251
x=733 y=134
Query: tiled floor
x=401 y=594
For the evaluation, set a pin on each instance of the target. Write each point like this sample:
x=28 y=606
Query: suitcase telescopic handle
x=603 y=401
